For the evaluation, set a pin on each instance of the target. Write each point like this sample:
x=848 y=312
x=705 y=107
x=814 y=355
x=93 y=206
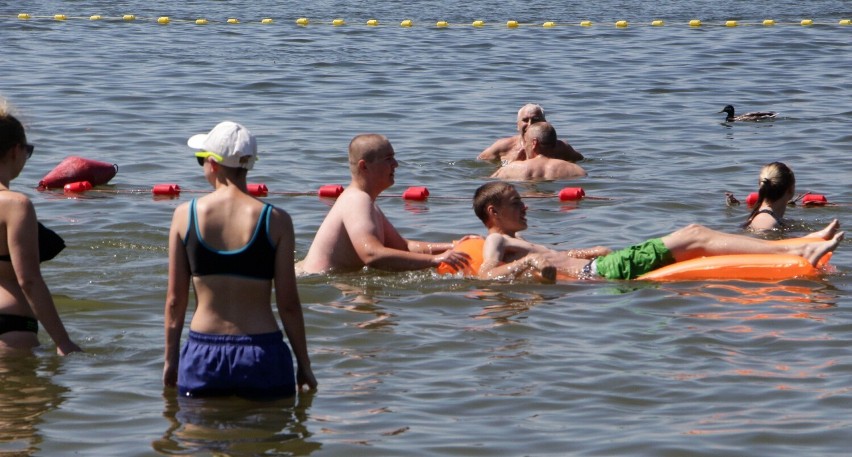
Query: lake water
x=411 y=363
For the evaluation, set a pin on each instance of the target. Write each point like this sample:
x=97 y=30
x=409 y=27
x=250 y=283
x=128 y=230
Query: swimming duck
x=755 y=116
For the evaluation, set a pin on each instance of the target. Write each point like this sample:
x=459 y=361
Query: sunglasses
x=30 y=149
x=203 y=155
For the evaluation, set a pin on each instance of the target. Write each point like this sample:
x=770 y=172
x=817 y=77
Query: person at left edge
x=233 y=248
x=25 y=299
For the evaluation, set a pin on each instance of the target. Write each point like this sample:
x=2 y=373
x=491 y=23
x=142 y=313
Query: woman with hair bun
x=776 y=187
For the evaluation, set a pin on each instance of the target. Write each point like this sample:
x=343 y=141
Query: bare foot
x=827 y=233
x=814 y=251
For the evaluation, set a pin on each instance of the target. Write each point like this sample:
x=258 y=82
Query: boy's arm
x=493 y=253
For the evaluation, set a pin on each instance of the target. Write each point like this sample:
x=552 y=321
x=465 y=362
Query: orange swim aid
x=473 y=248
x=755 y=267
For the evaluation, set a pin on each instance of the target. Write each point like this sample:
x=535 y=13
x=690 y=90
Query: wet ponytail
x=776 y=179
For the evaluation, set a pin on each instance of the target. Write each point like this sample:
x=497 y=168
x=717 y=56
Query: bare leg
x=697 y=241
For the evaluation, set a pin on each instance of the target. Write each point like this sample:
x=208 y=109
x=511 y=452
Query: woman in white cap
x=25 y=299
x=233 y=247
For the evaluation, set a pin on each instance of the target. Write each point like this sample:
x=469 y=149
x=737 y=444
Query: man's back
x=540 y=167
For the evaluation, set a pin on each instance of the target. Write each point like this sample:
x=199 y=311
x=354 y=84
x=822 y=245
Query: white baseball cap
x=231 y=145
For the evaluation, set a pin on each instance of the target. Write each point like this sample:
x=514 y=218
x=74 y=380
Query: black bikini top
x=49 y=245
x=254 y=260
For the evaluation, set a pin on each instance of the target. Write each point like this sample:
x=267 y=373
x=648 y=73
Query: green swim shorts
x=633 y=261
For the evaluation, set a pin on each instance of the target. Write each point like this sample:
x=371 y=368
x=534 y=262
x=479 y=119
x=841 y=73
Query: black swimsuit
x=13 y=323
x=254 y=260
x=49 y=245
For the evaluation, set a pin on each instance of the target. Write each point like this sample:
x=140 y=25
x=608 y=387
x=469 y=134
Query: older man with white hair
x=511 y=148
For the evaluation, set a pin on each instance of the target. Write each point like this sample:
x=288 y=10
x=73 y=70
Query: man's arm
x=566 y=152
x=498 y=149
x=364 y=223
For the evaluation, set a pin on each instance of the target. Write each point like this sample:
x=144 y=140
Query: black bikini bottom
x=13 y=323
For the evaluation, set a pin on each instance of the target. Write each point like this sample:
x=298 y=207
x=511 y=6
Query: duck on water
x=754 y=116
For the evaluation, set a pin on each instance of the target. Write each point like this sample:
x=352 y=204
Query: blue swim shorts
x=634 y=261
x=243 y=365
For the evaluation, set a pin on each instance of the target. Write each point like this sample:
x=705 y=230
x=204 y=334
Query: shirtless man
x=511 y=148
x=356 y=233
x=505 y=255
x=540 y=145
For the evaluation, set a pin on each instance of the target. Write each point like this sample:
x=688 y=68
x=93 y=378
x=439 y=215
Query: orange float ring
x=755 y=267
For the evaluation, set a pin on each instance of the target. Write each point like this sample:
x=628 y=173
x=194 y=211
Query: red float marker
x=166 y=189
x=571 y=194
x=330 y=190
x=751 y=199
x=416 y=193
x=814 y=200
x=77 y=169
x=80 y=186
x=258 y=190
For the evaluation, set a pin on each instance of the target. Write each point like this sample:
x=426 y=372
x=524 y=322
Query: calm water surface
x=409 y=363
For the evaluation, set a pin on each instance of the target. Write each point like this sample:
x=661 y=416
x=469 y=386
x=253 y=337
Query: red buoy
x=77 y=169
x=166 y=189
x=751 y=199
x=416 y=193
x=571 y=193
x=330 y=190
x=258 y=190
x=814 y=199
x=80 y=186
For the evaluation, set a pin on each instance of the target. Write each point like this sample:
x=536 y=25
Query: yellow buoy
x=233 y=20
x=845 y=22
x=338 y=22
x=731 y=23
x=406 y=23
x=478 y=23
x=768 y=22
x=585 y=23
x=695 y=23
x=441 y=24
x=266 y=20
x=621 y=24
x=807 y=22
x=372 y=22
x=658 y=23
x=59 y=17
x=95 y=17
x=23 y=16
x=302 y=21
x=201 y=21
x=549 y=24
x=129 y=17
x=163 y=20
x=512 y=24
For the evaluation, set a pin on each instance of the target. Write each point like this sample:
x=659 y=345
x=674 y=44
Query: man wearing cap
x=540 y=145
x=233 y=248
x=356 y=233
x=511 y=148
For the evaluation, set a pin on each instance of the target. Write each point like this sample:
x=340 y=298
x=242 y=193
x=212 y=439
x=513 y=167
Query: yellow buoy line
x=478 y=23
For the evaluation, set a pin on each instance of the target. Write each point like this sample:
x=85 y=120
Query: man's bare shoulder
x=560 y=169
x=499 y=148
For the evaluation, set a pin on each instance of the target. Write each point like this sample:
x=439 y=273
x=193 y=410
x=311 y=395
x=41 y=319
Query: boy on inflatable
x=505 y=256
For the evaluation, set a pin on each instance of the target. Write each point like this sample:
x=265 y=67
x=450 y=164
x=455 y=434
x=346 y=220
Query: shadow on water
x=27 y=393
x=236 y=426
